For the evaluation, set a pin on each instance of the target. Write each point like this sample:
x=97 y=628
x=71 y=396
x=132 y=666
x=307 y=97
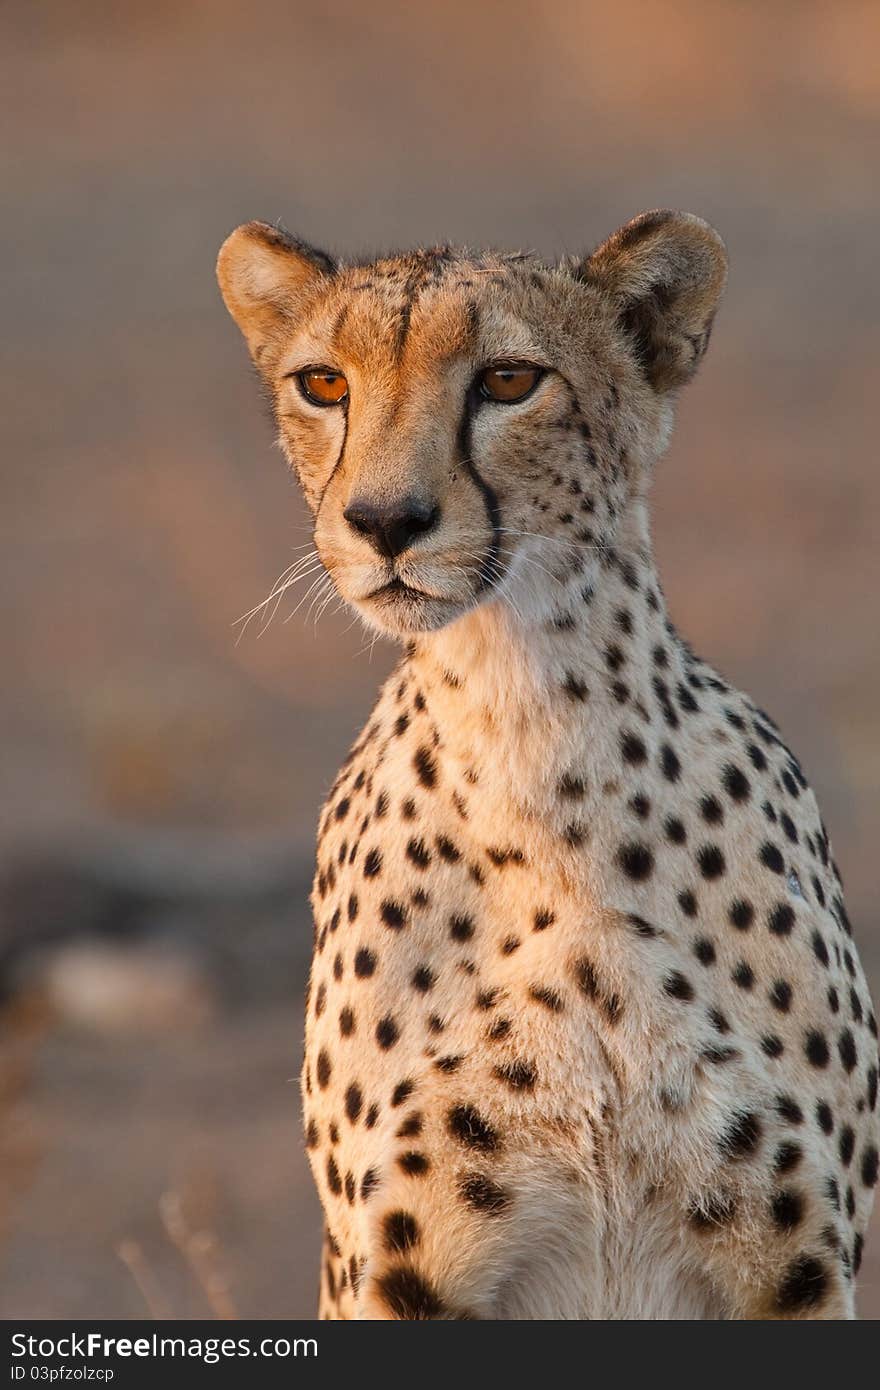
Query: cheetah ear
x=664 y=273
x=265 y=275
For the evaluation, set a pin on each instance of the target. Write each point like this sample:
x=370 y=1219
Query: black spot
x=334 y=1181
x=718 y=1055
x=543 y=994
x=816 y=1048
x=787 y=1209
x=461 y=928
x=858 y=1250
x=743 y=975
x=483 y=1194
x=419 y=854
x=711 y=810
x=372 y=863
x=820 y=950
x=789 y=827
x=408 y=1296
x=400 y=1232
x=669 y=763
x=369 y=1183
x=469 y=1127
x=824 y=1117
x=500 y=857
x=804 y=1285
x=633 y=749
x=741 y=914
x=781 y=919
x=675 y=830
x=742 y=1137
x=787 y=1158
x=636 y=861
x=519 y=1075
x=771 y=857
x=772 y=1045
x=426 y=768
x=614 y=657
x=678 y=986
x=711 y=861
x=574 y=687
x=447 y=850
x=642 y=927
x=735 y=782
x=449 y=1064
x=323 y=1068
x=354 y=1102
x=499 y=1029
x=688 y=903
x=402 y=1092
x=393 y=915
x=780 y=995
x=571 y=787
x=424 y=979
x=543 y=919
x=364 y=963
x=789 y=1110
x=846 y=1144
x=846 y=1047
x=704 y=951
x=870 y=1163
x=756 y=757
x=414 y=1164
x=387 y=1032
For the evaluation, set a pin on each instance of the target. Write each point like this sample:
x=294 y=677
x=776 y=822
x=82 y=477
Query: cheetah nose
x=393 y=526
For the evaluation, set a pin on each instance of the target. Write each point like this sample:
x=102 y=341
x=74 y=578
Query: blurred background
x=160 y=783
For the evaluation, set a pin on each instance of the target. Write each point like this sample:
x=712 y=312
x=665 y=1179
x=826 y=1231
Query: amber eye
x=507 y=382
x=323 y=386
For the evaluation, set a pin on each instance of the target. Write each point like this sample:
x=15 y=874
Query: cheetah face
x=472 y=429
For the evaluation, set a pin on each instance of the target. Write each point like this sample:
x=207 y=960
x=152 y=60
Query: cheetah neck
x=534 y=709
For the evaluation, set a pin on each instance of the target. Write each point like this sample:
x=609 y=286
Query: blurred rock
x=144 y=987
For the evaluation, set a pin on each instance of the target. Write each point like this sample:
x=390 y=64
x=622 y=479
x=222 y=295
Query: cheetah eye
x=323 y=385
x=507 y=382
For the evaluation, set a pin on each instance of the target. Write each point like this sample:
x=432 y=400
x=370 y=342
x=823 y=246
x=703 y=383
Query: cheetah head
x=472 y=428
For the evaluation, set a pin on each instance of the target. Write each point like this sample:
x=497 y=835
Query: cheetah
x=587 y=1034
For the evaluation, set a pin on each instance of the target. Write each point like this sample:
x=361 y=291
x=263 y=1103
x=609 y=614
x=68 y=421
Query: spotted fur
x=587 y=1033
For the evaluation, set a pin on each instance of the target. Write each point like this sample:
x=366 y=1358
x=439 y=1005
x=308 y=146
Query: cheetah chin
x=587 y=1034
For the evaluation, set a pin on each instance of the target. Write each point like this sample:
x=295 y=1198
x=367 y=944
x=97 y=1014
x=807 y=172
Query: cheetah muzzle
x=587 y=1035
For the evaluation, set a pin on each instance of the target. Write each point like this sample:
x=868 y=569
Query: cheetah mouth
x=397 y=588
x=400 y=608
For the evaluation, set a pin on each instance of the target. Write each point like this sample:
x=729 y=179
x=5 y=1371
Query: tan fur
x=583 y=979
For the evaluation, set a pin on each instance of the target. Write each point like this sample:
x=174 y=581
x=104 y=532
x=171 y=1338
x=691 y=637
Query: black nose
x=393 y=526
